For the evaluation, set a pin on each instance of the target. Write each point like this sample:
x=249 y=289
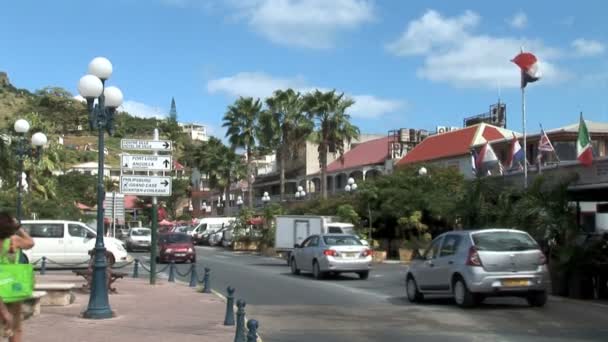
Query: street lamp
x=239 y=202
x=422 y=171
x=101 y=117
x=300 y=194
x=265 y=198
x=23 y=151
x=351 y=185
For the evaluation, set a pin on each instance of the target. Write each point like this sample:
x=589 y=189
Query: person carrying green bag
x=16 y=280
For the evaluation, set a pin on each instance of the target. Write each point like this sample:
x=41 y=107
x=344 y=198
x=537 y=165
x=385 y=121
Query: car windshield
x=503 y=241
x=140 y=232
x=176 y=238
x=342 y=241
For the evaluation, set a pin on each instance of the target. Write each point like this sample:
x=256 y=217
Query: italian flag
x=584 y=152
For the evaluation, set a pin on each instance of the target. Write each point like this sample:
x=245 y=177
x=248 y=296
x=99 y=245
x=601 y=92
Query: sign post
x=147 y=185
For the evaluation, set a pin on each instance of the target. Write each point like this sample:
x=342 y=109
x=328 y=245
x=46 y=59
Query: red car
x=176 y=247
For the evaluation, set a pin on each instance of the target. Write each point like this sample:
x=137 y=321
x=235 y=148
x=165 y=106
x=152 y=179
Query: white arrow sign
x=145 y=185
x=146 y=145
x=146 y=162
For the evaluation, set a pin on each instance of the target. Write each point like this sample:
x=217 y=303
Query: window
x=307 y=242
x=314 y=242
x=76 y=230
x=335 y=230
x=44 y=230
x=450 y=245
x=341 y=241
x=433 y=250
x=140 y=232
x=504 y=241
x=176 y=238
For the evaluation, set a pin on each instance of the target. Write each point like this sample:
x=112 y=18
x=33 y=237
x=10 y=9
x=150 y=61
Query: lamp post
x=300 y=194
x=239 y=202
x=423 y=171
x=24 y=151
x=265 y=198
x=101 y=117
x=350 y=185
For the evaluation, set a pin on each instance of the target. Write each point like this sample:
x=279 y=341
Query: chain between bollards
x=136 y=269
x=172 y=272
x=229 y=320
x=207 y=284
x=252 y=327
x=240 y=321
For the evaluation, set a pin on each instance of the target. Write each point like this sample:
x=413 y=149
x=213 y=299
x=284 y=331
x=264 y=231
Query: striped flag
x=584 y=150
x=528 y=63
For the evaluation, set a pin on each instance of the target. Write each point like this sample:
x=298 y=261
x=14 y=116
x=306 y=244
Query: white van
x=209 y=229
x=67 y=242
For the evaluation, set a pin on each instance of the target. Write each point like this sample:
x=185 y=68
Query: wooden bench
x=57 y=294
x=112 y=277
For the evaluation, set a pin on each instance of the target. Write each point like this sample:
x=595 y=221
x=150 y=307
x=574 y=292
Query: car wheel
x=538 y=299
x=316 y=271
x=363 y=275
x=411 y=288
x=463 y=297
x=294 y=267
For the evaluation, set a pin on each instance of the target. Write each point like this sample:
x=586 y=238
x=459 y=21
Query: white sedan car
x=332 y=253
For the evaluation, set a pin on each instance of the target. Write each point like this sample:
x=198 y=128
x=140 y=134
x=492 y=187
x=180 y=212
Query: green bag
x=16 y=280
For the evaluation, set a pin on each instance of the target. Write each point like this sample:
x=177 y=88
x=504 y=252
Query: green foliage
x=180 y=188
x=77 y=187
x=221 y=164
x=348 y=214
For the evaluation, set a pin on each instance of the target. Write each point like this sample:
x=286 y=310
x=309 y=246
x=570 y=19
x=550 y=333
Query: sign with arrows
x=146 y=145
x=146 y=162
x=145 y=185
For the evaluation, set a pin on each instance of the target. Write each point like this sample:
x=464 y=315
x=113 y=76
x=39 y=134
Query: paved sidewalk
x=164 y=312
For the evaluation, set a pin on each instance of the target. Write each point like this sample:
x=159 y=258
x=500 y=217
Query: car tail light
x=330 y=252
x=473 y=258
x=542 y=259
x=366 y=252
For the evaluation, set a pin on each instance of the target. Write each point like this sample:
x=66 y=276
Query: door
x=78 y=242
x=49 y=242
x=299 y=254
x=301 y=231
x=427 y=267
x=441 y=273
x=309 y=251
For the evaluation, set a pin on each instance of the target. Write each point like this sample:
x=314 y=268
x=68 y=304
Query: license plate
x=350 y=255
x=515 y=282
x=180 y=254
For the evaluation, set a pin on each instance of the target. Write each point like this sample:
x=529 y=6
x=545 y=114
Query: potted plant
x=417 y=234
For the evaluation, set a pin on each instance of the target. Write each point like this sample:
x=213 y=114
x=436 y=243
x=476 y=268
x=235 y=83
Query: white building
x=195 y=131
x=90 y=168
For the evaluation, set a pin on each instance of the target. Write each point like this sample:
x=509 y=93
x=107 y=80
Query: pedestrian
x=18 y=239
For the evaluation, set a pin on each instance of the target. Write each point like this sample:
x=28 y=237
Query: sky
x=407 y=64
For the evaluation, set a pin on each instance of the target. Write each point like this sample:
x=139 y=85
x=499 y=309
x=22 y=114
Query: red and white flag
x=528 y=63
x=545 y=144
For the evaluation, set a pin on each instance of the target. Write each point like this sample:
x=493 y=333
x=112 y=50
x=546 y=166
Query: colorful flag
x=584 y=150
x=474 y=157
x=545 y=144
x=516 y=153
x=528 y=64
x=486 y=156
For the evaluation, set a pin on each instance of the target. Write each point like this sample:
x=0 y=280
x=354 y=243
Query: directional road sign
x=145 y=145
x=146 y=162
x=145 y=185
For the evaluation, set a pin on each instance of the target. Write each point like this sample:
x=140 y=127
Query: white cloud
x=519 y=20
x=262 y=85
x=312 y=24
x=587 y=47
x=142 y=110
x=456 y=55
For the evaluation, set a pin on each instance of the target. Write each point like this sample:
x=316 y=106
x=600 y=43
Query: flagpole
x=523 y=116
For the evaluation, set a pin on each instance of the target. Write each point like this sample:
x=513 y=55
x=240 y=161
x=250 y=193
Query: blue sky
x=407 y=64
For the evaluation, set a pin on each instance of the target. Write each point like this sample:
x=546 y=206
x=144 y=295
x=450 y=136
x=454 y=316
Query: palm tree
x=333 y=128
x=284 y=127
x=241 y=121
x=220 y=163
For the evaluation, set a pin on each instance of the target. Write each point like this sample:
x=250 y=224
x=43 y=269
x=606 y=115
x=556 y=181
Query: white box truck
x=294 y=229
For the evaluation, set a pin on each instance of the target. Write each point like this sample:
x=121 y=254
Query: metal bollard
x=229 y=320
x=207 y=288
x=43 y=266
x=136 y=268
x=172 y=272
x=240 y=321
x=252 y=327
x=193 y=276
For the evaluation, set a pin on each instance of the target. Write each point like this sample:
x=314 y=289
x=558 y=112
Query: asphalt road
x=300 y=308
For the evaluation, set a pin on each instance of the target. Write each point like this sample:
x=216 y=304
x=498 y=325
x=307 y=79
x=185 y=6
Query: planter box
x=245 y=246
x=378 y=256
x=269 y=252
x=405 y=254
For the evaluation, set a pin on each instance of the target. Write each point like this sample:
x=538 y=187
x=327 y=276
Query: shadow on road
x=489 y=304
x=269 y=264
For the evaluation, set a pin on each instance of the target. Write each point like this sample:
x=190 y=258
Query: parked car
x=67 y=243
x=331 y=253
x=176 y=247
x=183 y=229
x=210 y=230
x=473 y=265
x=139 y=239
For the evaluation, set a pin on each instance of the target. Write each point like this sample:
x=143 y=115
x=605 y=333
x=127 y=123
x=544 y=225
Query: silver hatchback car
x=332 y=253
x=474 y=264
